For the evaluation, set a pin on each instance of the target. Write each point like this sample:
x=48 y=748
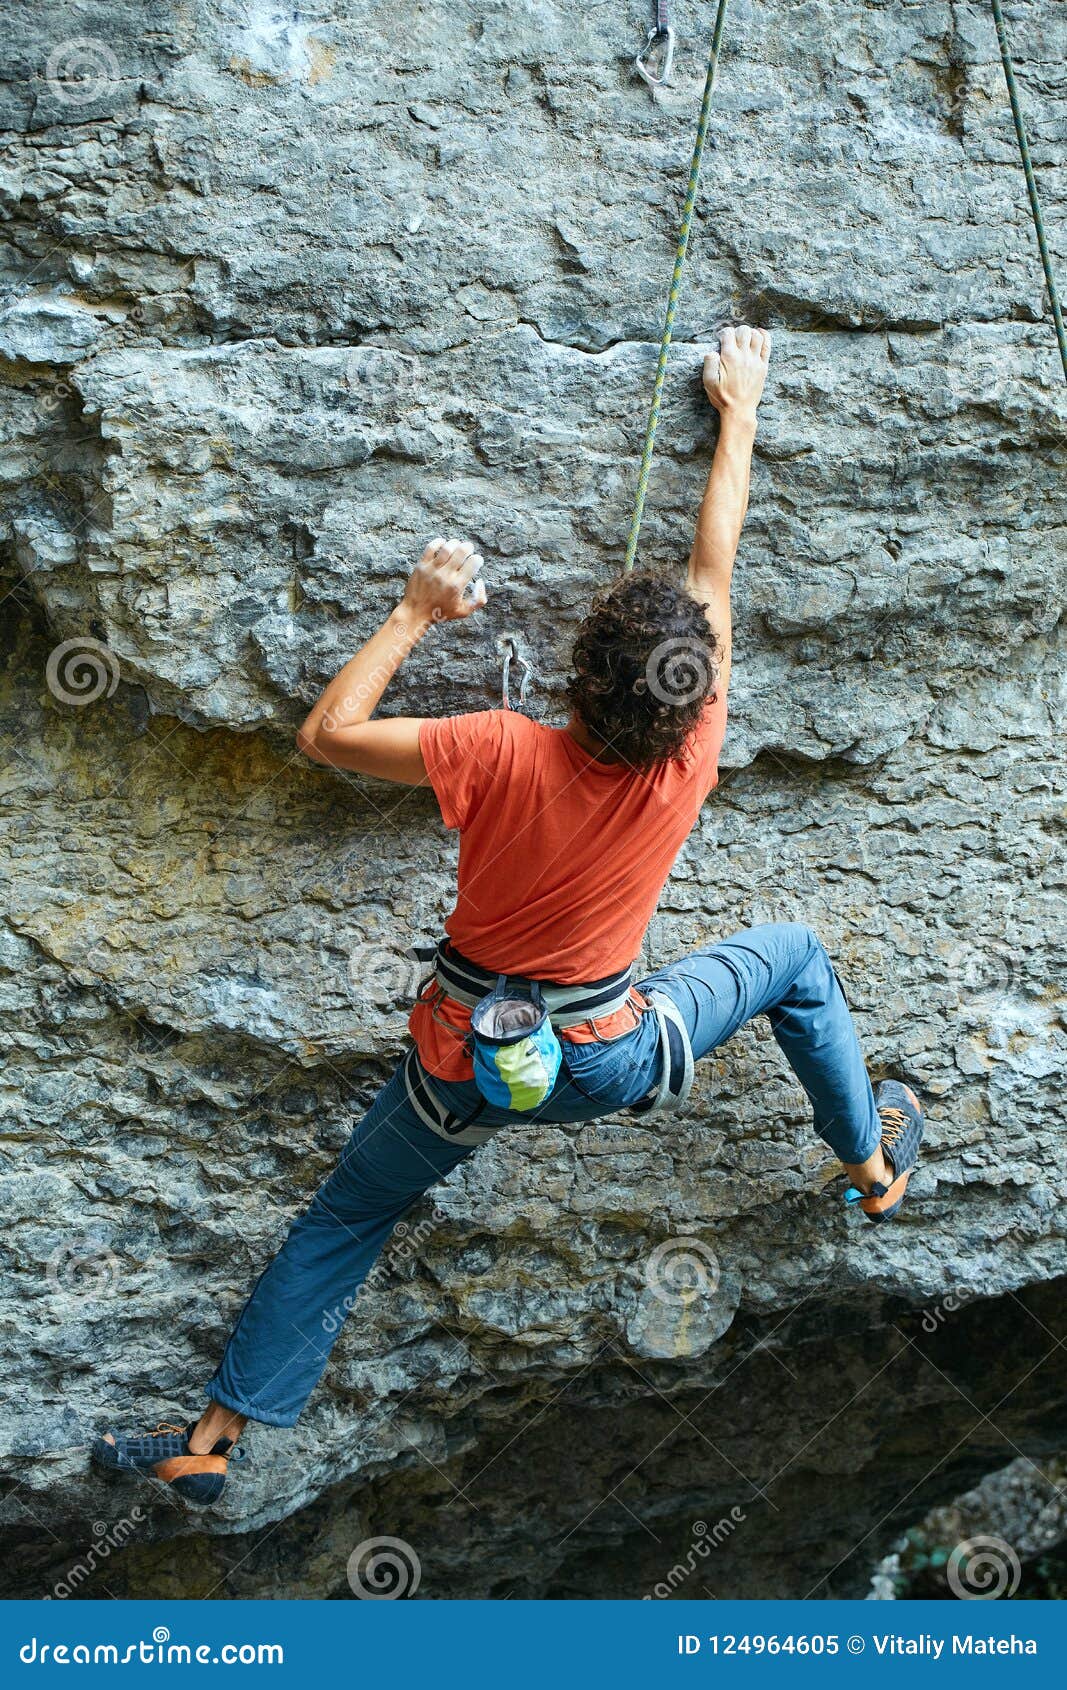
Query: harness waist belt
x=467 y=982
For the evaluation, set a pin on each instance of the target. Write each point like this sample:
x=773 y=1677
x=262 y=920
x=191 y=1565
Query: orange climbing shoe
x=165 y=1455
x=902 y=1131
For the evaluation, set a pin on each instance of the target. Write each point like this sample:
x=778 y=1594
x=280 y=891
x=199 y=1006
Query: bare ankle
x=214 y=1424
x=876 y=1170
x=199 y=1442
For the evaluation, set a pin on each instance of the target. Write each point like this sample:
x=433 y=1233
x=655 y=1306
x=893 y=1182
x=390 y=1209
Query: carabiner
x=655 y=35
x=510 y=648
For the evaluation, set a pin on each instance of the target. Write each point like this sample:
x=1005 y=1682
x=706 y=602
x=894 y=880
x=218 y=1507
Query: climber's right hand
x=444 y=584
x=734 y=376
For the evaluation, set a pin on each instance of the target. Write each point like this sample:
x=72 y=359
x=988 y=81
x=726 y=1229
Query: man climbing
x=567 y=836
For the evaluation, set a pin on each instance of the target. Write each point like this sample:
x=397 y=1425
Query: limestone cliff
x=285 y=292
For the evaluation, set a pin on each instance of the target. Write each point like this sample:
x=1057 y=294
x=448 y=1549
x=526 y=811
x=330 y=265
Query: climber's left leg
x=782 y=971
x=289 y=1324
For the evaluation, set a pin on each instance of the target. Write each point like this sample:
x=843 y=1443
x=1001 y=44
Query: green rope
x=676 y=286
x=1031 y=183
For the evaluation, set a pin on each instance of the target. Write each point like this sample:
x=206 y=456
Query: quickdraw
x=509 y=646
x=660 y=43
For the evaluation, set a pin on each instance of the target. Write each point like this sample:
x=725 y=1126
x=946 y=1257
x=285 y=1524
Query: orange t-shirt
x=561 y=858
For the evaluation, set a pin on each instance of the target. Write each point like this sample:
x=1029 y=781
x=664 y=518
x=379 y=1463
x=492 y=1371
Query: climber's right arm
x=338 y=730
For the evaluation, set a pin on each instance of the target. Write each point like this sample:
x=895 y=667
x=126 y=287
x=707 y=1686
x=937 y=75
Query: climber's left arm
x=338 y=730
x=733 y=381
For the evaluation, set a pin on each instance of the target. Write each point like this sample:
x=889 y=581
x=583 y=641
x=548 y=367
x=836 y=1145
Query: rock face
x=1012 y=1527
x=284 y=294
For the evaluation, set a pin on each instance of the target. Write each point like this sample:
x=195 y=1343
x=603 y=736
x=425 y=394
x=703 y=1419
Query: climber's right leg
x=289 y=1324
x=287 y=1329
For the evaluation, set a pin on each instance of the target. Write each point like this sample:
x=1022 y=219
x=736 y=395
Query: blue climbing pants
x=284 y=1336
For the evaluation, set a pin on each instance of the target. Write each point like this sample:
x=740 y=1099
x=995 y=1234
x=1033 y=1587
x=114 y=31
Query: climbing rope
x=676 y=285
x=1031 y=182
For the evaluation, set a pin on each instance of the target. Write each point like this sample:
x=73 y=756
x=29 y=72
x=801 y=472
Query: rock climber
x=532 y=1013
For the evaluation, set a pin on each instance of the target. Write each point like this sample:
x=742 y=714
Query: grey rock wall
x=283 y=294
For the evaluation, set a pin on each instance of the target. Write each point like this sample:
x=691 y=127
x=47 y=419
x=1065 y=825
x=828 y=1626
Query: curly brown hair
x=645 y=663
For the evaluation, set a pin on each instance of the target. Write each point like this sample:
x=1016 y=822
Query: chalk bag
x=516 y=1052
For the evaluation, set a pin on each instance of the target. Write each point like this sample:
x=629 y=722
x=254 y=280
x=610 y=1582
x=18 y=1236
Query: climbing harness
x=455 y=976
x=662 y=28
x=661 y=39
x=676 y=1075
x=676 y=283
x=1031 y=181
x=509 y=646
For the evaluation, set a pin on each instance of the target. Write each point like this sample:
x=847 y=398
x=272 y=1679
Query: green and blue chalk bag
x=516 y=1052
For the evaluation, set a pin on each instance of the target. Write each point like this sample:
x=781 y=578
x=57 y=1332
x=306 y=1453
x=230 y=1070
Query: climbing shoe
x=165 y=1455
x=902 y=1129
